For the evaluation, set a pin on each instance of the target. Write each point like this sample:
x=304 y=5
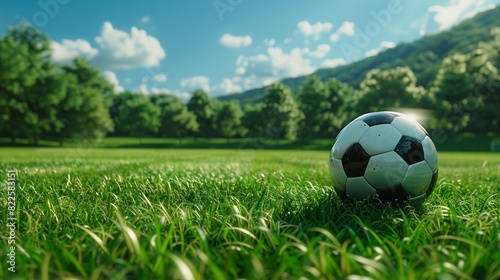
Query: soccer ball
x=384 y=156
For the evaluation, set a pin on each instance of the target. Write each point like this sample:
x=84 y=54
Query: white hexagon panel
x=409 y=127
x=359 y=189
x=430 y=153
x=348 y=136
x=386 y=170
x=337 y=174
x=418 y=179
x=380 y=139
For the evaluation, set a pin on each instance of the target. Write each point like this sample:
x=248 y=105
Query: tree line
x=43 y=100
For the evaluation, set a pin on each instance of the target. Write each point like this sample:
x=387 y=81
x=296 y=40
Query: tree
x=68 y=112
x=483 y=65
x=84 y=111
x=176 y=119
x=228 y=119
x=252 y=119
x=452 y=87
x=30 y=85
x=388 y=89
x=281 y=113
x=313 y=102
x=492 y=48
x=204 y=109
x=343 y=99
x=323 y=107
x=134 y=114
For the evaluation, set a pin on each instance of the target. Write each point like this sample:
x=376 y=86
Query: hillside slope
x=423 y=56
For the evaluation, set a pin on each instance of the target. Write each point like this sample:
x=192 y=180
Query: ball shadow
x=354 y=217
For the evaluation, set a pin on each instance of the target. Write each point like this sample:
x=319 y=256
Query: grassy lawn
x=444 y=142
x=226 y=214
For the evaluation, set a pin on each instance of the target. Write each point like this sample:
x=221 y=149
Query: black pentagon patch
x=432 y=185
x=395 y=194
x=410 y=149
x=379 y=118
x=355 y=160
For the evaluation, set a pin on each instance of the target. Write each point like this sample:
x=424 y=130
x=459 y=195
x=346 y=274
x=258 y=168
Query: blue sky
x=226 y=46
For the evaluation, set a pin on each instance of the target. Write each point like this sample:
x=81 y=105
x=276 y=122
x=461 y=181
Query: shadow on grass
x=353 y=218
x=24 y=145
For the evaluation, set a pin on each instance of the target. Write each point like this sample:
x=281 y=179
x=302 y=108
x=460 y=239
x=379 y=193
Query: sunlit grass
x=225 y=214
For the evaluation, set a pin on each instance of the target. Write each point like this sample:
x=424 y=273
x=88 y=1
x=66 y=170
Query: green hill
x=423 y=56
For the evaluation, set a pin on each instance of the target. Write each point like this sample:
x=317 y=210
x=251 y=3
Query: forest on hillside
x=424 y=55
x=43 y=100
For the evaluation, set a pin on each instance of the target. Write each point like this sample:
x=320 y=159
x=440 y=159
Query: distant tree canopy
x=323 y=106
x=177 y=120
x=89 y=96
x=204 y=108
x=43 y=100
x=395 y=88
x=228 y=119
x=30 y=84
x=281 y=113
x=135 y=114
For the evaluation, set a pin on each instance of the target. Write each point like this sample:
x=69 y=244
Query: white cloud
x=269 y=42
x=111 y=77
x=334 y=37
x=308 y=29
x=121 y=50
x=143 y=89
x=287 y=41
x=183 y=95
x=240 y=71
x=332 y=63
x=145 y=19
x=321 y=51
x=480 y=9
x=226 y=86
x=68 y=50
x=388 y=45
x=347 y=28
x=447 y=16
x=196 y=82
x=153 y=78
x=232 y=41
x=276 y=64
x=155 y=90
x=244 y=61
x=290 y=64
x=252 y=81
x=372 y=52
x=160 y=78
x=383 y=46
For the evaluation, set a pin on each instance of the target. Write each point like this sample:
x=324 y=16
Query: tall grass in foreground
x=212 y=214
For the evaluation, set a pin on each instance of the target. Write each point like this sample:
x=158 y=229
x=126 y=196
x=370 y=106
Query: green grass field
x=227 y=214
x=461 y=142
